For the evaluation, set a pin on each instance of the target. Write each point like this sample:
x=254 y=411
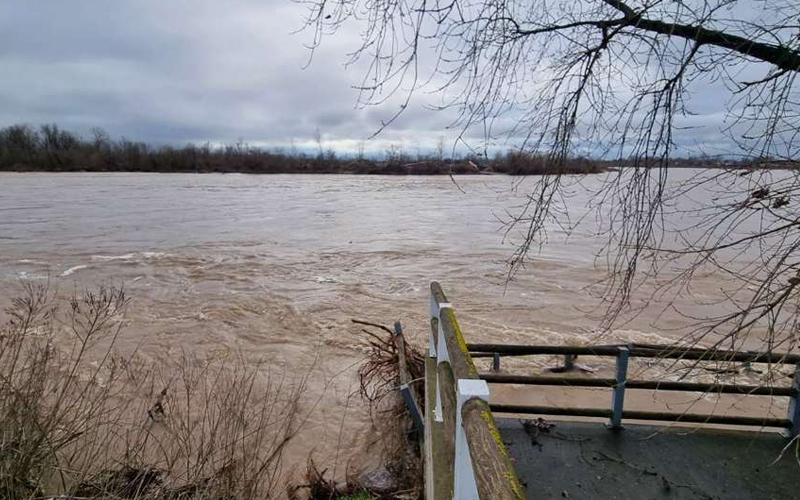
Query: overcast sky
x=190 y=70
x=194 y=70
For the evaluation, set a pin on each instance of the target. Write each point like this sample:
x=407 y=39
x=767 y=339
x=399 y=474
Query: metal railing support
x=794 y=406
x=413 y=409
x=405 y=378
x=496 y=362
x=618 y=396
x=465 y=487
x=569 y=362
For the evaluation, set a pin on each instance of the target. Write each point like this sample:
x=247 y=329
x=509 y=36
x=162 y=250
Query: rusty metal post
x=496 y=362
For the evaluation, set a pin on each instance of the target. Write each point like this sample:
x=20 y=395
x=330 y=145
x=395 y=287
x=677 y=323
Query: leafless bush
x=52 y=400
x=380 y=381
x=77 y=418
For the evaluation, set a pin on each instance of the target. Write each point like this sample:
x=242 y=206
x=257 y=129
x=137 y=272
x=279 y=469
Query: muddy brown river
x=277 y=266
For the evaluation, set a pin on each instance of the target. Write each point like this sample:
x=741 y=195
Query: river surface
x=277 y=266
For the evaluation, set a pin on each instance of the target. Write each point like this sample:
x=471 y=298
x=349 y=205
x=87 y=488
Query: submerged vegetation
x=79 y=420
x=52 y=149
x=400 y=477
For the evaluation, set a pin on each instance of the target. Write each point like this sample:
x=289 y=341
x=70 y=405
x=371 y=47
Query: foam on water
x=134 y=256
x=26 y=276
x=326 y=279
x=72 y=269
x=33 y=262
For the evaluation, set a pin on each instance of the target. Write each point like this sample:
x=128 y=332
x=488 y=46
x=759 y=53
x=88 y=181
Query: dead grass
x=77 y=419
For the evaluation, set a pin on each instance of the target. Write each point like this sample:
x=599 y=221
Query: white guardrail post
x=434 y=308
x=465 y=487
x=442 y=356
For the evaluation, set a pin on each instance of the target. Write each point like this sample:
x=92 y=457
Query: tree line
x=53 y=149
x=50 y=148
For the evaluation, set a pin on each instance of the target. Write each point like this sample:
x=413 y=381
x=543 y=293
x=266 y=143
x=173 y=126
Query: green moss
x=462 y=344
x=487 y=417
x=510 y=474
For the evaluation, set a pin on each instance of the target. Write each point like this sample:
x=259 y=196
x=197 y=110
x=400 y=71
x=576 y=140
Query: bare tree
x=318 y=140
x=620 y=78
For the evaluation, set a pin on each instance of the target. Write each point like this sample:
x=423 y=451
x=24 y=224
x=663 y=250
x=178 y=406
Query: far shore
x=51 y=149
x=361 y=167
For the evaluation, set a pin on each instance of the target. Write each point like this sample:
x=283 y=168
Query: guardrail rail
x=620 y=383
x=465 y=458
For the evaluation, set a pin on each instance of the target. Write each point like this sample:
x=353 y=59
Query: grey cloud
x=200 y=70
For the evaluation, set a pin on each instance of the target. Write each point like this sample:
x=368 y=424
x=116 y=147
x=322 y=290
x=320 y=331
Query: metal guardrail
x=463 y=445
x=620 y=383
x=465 y=458
x=636 y=350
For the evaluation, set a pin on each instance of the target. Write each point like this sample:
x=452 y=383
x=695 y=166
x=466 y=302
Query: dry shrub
x=78 y=419
x=379 y=375
x=51 y=400
x=380 y=382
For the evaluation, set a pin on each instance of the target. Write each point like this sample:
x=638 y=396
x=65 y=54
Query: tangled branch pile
x=379 y=375
x=380 y=379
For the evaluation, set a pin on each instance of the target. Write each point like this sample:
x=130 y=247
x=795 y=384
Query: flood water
x=277 y=266
x=327 y=248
